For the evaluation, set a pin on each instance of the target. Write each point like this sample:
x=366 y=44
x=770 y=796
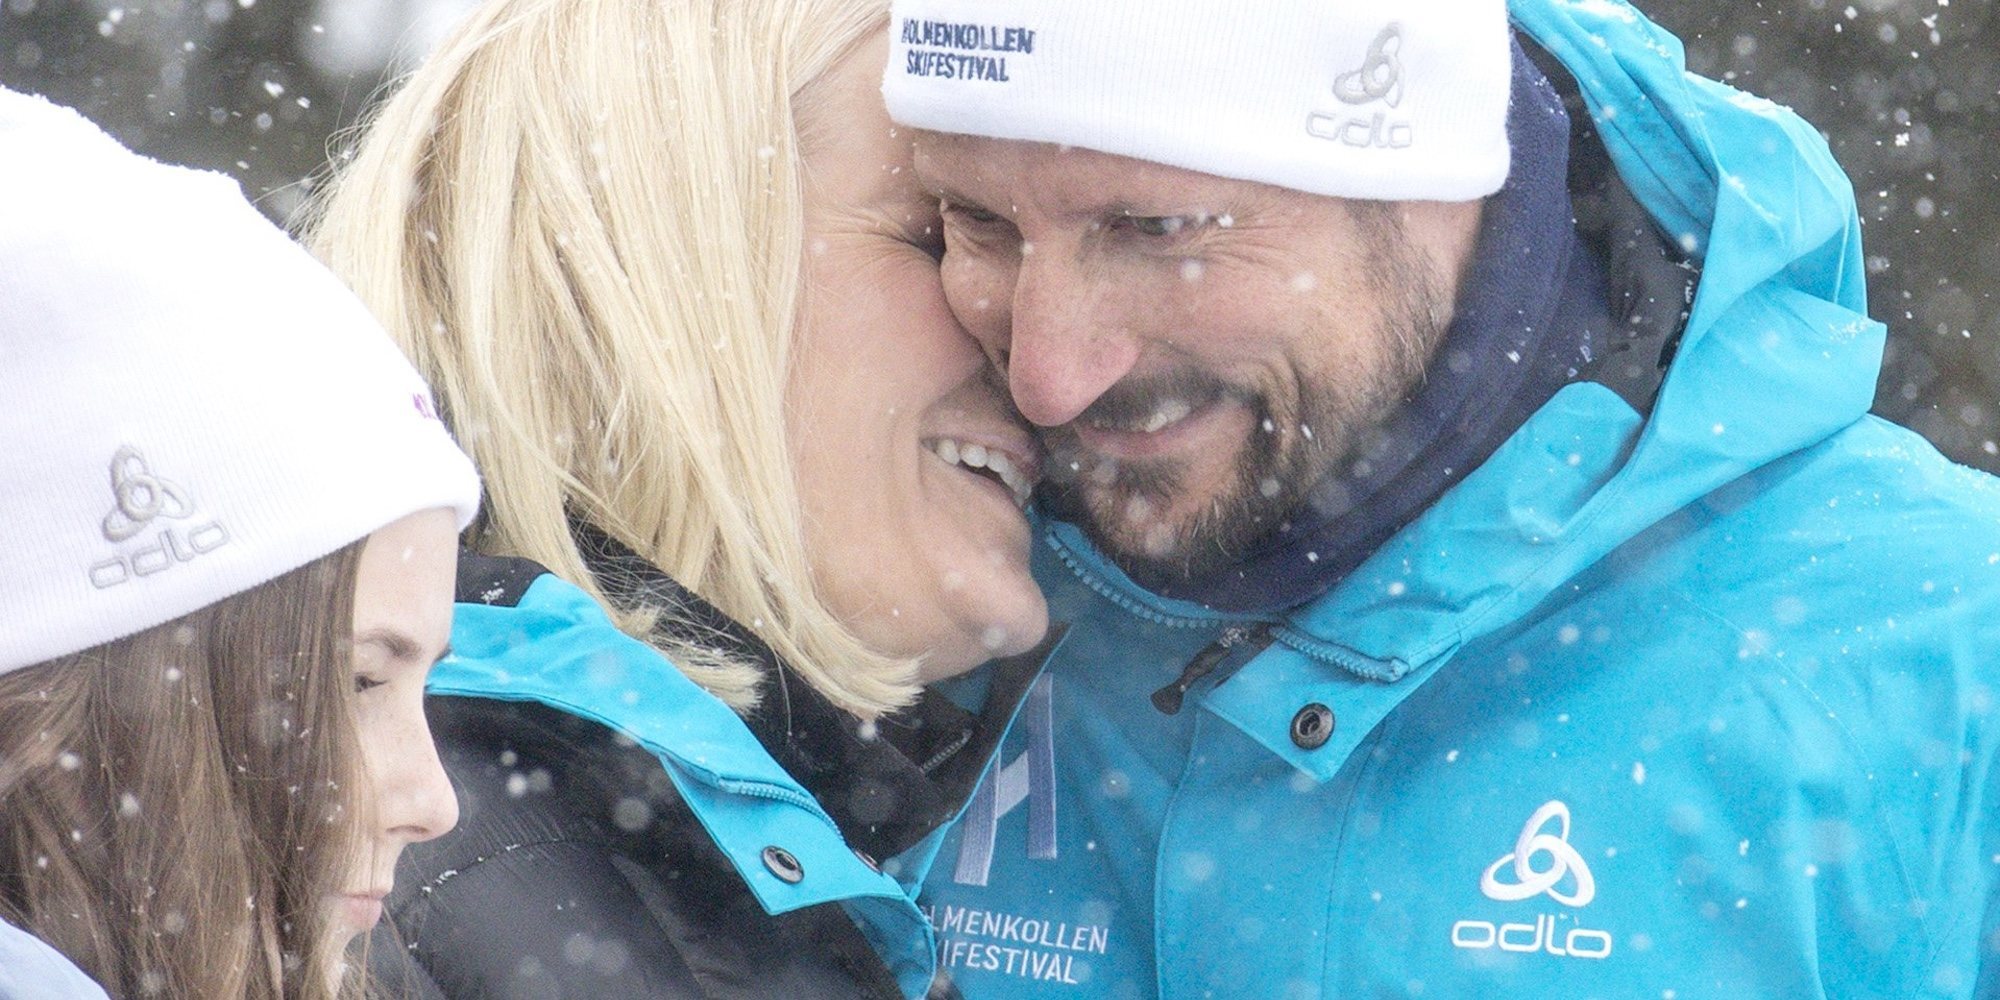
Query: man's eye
x=1171 y=225
x=363 y=682
x=1156 y=225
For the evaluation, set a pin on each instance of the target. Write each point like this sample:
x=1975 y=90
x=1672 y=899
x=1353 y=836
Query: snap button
x=782 y=864
x=1312 y=727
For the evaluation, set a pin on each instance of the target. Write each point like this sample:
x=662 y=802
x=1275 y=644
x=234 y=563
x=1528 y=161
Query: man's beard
x=1119 y=504
x=1286 y=455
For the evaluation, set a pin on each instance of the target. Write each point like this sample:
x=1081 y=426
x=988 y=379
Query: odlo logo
x=1516 y=877
x=1378 y=81
x=143 y=499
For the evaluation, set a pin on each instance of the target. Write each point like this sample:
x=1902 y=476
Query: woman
x=229 y=569
x=667 y=264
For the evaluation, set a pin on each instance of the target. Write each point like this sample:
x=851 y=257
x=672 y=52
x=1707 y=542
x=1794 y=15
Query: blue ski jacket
x=624 y=833
x=1688 y=699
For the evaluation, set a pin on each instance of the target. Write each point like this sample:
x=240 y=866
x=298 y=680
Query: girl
x=232 y=524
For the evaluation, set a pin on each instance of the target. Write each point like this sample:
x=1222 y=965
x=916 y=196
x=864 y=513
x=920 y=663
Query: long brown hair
x=176 y=806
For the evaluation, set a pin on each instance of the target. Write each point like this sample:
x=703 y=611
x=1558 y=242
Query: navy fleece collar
x=1533 y=306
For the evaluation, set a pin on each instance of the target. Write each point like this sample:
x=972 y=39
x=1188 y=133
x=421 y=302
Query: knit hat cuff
x=1371 y=100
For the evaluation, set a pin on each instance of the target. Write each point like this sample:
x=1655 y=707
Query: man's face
x=1198 y=351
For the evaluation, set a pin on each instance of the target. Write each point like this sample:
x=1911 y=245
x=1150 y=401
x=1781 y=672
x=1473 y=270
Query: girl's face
x=912 y=465
x=402 y=624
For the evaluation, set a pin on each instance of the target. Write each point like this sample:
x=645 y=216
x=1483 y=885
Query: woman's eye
x=363 y=682
x=930 y=241
x=967 y=214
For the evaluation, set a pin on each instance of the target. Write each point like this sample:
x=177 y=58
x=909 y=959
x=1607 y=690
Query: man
x=1484 y=576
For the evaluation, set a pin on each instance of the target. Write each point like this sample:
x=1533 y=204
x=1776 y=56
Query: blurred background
x=1907 y=92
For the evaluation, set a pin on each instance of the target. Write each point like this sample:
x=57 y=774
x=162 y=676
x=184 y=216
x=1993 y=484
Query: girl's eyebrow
x=398 y=645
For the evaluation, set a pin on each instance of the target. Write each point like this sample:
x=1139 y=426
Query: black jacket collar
x=888 y=785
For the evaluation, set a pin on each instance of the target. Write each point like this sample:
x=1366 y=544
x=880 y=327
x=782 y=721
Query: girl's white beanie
x=1395 y=100
x=190 y=405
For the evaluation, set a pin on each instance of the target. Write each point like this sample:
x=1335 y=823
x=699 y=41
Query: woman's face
x=402 y=624
x=912 y=466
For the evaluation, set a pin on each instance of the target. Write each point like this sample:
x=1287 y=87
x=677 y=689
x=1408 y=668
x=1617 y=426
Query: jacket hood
x=1777 y=354
x=1533 y=312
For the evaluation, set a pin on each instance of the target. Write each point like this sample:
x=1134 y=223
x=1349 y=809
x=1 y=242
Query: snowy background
x=1908 y=92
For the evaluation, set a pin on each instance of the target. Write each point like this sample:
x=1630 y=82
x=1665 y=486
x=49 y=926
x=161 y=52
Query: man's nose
x=1068 y=341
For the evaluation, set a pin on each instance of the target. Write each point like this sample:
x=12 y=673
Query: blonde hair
x=583 y=221
x=177 y=806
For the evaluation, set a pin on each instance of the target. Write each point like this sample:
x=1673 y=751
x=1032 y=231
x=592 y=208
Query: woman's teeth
x=974 y=456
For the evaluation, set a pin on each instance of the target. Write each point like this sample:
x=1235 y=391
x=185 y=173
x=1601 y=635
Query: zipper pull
x=1169 y=699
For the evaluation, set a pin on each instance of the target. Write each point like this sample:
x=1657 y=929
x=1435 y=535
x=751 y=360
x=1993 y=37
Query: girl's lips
x=361 y=910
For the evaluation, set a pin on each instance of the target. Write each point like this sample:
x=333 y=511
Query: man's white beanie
x=1374 y=99
x=190 y=405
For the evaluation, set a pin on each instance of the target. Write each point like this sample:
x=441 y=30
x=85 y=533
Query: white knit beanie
x=1398 y=100
x=190 y=405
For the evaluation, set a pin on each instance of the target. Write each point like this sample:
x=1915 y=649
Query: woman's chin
x=990 y=637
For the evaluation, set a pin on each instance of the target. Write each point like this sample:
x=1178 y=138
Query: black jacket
x=577 y=870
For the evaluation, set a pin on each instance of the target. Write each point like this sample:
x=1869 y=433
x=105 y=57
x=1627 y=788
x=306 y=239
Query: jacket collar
x=552 y=644
x=886 y=785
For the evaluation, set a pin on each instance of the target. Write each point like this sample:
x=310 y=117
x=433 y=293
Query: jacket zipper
x=1367 y=668
x=1253 y=637
x=764 y=790
x=1316 y=649
x=1112 y=594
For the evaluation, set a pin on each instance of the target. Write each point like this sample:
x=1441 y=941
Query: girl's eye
x=363 y=682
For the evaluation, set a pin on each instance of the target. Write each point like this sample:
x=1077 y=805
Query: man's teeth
x=978 y=457
x=1172 y=411
x=1168 y=413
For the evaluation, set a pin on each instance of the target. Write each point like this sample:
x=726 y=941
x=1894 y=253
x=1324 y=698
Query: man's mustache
x=1132 y=401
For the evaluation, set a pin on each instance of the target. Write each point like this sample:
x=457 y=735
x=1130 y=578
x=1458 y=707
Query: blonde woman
x=667 y=264
x=230 y=565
